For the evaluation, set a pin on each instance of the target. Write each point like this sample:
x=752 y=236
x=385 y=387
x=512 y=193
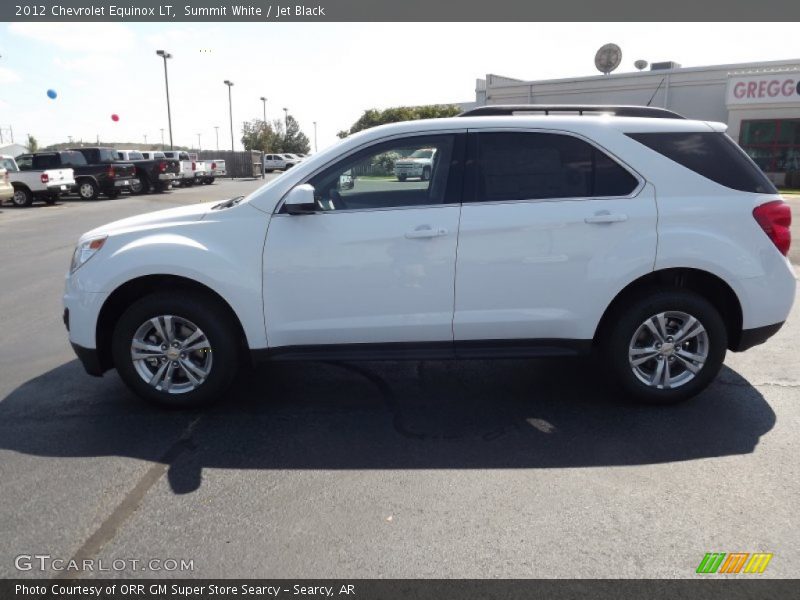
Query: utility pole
x=198 y=142
x=145 y=139
x=230 y=112
x=162 y=138
x=216 y=134
x=165 y=56
x=286 y=120
x=315 y=136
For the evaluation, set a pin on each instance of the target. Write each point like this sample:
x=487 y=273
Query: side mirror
x=300 y=200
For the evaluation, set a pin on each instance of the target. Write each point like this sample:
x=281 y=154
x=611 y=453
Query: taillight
x=162 y=166
x=45 y=178
x=775 y=218
x=111 y=172
x=194 y=166
x=213 y=166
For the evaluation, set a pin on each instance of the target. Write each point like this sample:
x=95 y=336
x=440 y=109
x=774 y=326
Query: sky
x=324 y=72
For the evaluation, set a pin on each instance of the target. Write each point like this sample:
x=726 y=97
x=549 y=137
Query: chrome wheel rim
x=86 y=190
x=136 y=187
x=668 y=350
x=171 y=354
x=20 y=198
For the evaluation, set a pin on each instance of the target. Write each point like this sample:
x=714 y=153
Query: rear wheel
x=401 y=178
x=666 y=346
x=22 y=198
x=51 y=199
x=88 y=190
x=177 y=350
x=426 y=174
x=113 y=195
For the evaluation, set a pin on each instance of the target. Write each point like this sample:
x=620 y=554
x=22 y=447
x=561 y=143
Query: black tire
x=50 y=200
x=22 y=197
x=112 y=195
x=210 y=180
x=623 y=325
x=88 y=190
x=426 y=174
x=142 y=187
x=401 y=178
x=202 y=310
x=160 y=188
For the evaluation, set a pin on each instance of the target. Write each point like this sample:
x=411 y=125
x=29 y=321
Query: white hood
x=170 y=216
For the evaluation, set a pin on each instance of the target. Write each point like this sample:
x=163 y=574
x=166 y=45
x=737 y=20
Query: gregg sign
x=775 y=88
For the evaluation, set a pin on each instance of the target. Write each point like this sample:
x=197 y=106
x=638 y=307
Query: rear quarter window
x=713 y=155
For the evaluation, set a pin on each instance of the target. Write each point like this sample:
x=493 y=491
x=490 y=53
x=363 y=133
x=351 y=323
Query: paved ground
x=422 y=469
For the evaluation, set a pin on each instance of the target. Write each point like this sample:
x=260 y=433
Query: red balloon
x=115 y=118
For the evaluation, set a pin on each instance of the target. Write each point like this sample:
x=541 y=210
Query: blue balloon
x=51 y=94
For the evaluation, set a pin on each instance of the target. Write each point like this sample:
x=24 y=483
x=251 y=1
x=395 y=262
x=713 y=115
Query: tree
x=256 y=135
x=33 y=144
x=374 y=117
x=275 y=137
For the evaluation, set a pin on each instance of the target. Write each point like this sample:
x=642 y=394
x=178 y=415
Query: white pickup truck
x=418 y=164
x=191 y=169
x=34 y=183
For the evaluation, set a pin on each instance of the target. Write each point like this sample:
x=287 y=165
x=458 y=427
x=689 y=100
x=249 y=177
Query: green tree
x=257 y=135
x=33 y=144
x=294 y=140
x=374 y=117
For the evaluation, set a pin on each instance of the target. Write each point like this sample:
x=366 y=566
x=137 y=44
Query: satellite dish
x=608 y=58
x=640 y=64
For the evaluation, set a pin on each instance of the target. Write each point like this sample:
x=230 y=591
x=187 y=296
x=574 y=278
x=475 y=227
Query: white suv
x=651 y=240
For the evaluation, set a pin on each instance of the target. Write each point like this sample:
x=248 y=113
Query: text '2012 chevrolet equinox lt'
x=649 y=239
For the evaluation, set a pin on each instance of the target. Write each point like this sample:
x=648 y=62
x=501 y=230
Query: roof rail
x=652 y=112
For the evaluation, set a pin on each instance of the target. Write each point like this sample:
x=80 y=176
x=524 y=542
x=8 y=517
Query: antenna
x=654 y=93
x=608 y=58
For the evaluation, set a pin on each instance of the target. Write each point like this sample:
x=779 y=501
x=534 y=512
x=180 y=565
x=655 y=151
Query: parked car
x=276 y=162
x=214 y=168
x=6 y=189
x=651 y=240
x=202 y=169
x=151 y=154
x=156 y=174
x=347 y=181
x=35 y=178
x=291 y=160
x=100 y=173
x=418 y=164
x=189 y=168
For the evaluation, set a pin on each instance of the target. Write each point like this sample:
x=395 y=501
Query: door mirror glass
x=300 y=200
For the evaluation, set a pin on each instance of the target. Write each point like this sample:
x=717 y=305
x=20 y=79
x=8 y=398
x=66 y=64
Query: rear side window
x=45 y=161
x=713 y=155
x=531 y=166
x=72 y=159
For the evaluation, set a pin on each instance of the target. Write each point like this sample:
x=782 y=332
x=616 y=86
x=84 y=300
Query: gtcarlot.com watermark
x=48 y=563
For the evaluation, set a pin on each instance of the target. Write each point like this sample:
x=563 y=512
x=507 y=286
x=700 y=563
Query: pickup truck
x=418 y=164
x=214 y=168
x=203 y=169
x=155 y=174
x=101 y=173
x=32 y=179
x=279 y=162
x=190 y=169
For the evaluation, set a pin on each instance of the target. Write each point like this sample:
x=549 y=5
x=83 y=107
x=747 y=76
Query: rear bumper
x=167 y=176
x=756 y=336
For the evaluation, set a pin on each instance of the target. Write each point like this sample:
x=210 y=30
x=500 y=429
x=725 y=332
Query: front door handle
x=425 y=231
x=606 y=217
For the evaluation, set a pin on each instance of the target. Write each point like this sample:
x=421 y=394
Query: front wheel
x=666 y=346
x=176 y=349
x=426 y=174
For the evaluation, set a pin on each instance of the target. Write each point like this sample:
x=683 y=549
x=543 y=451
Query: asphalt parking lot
x=417 y=469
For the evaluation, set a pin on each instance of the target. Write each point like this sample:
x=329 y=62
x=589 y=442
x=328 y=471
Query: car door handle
x=425 y=231
x=606 y=217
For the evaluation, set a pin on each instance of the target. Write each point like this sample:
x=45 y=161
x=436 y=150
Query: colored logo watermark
x=734 y=562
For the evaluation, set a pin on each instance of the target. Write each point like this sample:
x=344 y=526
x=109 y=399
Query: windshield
x=422 y=154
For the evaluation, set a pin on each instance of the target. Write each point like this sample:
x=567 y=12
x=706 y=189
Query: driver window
x=408 y=172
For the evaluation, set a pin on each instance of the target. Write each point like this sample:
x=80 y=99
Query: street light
x=145 y=139
x=165 y=56
x=264 y=102
x=230 y=112
x=216 y=134
x=162 y=138
x=198 y=142
x=315 y=136
x=286 y=119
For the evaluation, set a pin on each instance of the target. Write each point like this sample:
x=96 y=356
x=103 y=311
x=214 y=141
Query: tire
x=142 y=187
x=50 y=200
x=628 y=339
x=210 y=180
x=22 y=197
x=112 y=195
x=160 y=188
x=401 y=178
x=426 y=174
x=88 y=190
x=187 y=310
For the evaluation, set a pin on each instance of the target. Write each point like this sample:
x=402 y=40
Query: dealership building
x=760 y=102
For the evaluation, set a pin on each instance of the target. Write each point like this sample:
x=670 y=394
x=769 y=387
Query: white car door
x=375 y=262
x=551 y=231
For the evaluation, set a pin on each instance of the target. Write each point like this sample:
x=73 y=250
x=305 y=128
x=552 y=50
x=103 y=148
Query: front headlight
x=86 y=250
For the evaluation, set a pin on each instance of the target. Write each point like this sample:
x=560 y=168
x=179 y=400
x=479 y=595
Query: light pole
x=264 y=103
x=230 y=112
x=286 y=120
x=165 y=56
x=315 y=136
x=216 y=134
x=162 y=138
x=199 y=149
x=145 y=139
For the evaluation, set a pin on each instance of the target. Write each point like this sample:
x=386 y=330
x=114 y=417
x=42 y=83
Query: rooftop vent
x=663 y=66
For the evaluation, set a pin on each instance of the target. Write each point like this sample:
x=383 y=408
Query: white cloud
x=8 y=76
x=90 y=63
x=111 y=37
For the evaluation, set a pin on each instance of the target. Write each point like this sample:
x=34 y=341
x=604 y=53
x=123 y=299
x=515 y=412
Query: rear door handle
x=425 y=231
x=606 y=217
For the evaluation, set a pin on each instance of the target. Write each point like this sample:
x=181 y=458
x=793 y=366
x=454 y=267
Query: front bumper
x=755 y=336
x=90 y=359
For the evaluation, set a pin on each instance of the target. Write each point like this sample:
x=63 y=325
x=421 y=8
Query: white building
x=13 y=150
x=760 y=102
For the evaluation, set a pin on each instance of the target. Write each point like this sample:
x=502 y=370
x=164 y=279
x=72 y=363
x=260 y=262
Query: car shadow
x=514 y=414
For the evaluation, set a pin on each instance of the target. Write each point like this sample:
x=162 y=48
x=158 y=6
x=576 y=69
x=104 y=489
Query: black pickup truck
x=154 y=172
x=102 y=173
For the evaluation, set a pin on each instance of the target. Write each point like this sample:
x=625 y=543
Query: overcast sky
x=326 y=72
